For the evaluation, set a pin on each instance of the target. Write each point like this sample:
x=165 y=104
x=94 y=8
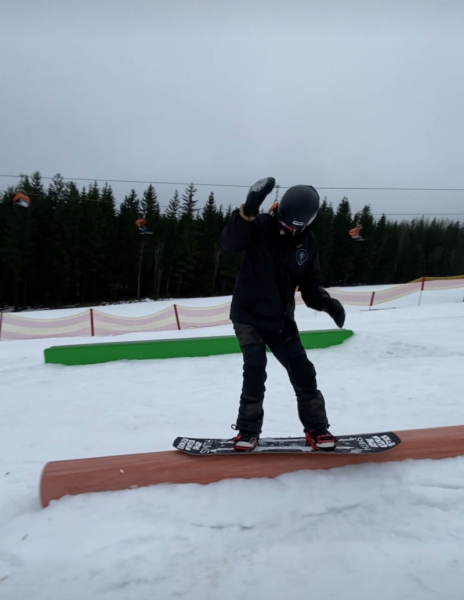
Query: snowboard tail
x=366 y=443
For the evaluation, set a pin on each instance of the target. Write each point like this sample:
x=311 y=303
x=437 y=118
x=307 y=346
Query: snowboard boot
x=320 y=439
x=246 y=441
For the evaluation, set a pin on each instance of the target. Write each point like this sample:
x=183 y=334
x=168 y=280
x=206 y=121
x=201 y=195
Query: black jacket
x=273 y=265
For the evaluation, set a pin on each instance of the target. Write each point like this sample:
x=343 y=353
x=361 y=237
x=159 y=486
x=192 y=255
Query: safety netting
x=352 y=298
x=394 y=293
x=94 y=322
x=107 y=324
x=203 y=316
x=443 y=284
x=15 y=327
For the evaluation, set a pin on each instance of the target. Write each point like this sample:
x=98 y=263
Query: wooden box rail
x=71 y=477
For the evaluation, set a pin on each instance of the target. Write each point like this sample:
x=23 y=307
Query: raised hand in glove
x=334 y=309
x=256 y=195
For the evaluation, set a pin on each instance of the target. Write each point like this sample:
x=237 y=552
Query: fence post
x=372 y=300
x=177 y=317
x=421 y=290
x=92 y=328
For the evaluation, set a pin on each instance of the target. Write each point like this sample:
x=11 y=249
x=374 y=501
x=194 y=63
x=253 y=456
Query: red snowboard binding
x=321 y=439
x=246 y=441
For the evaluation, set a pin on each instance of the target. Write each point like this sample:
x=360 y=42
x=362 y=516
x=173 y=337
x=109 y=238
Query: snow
x=373 y=531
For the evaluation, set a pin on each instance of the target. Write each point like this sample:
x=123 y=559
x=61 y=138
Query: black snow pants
x=289 y=351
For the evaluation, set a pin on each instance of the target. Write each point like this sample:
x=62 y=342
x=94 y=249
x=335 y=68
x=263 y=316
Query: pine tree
x=152 y=245
x=184 y=276
x=75 y=246
x=130 y=242
x=454 y=249
x=378 y=261
x=65 y=249
x=229 y=263
x=169 y=225
x=172 y=211
x=208 y=214
x=91 y=249
x=57 y=189
x=364 y=252
x=342 y=264
x=149 y=205
x=40 y=280
x=108 y=244
x=323 y=231
x=17 y=249
x=187 y=209
x=209 y=246
x=6 y=200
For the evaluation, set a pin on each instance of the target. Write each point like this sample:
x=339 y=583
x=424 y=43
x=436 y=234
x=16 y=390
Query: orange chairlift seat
x=21 y=199
x=355 y=233
x=142 y=225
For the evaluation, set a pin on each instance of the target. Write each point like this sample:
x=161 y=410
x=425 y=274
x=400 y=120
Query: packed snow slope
x=357 y=533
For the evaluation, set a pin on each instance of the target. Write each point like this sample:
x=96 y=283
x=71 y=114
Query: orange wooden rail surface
x=138 y=470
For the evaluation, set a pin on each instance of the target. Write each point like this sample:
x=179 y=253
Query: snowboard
x=365 y=443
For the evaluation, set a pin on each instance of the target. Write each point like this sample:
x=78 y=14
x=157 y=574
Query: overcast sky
x=346 y=93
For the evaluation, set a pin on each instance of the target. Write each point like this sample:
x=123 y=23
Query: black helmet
x=299 y=206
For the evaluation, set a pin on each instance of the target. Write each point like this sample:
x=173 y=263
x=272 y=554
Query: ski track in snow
x=370 y=531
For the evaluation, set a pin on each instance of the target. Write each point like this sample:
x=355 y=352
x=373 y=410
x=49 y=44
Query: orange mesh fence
x=443 y=284
x=438 y=278
x=394 y=293
x=106 y=324
x=204 y=316
x=15 y=327
x=352 y=298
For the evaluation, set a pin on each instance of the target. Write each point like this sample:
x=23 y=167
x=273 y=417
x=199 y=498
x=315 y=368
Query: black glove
x=334 y=309
x=256 y=195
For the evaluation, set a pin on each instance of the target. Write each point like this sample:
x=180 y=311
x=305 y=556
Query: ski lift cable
x=236 y=185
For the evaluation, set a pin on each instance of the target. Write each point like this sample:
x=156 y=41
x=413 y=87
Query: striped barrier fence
x=107 y=324
x=93 y=322
x=14 y=327
x=196 y=316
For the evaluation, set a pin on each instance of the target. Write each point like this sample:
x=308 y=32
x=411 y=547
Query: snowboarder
x=280 y=253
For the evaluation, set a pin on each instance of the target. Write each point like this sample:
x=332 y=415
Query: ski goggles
x=288 y=228
x=292 y=229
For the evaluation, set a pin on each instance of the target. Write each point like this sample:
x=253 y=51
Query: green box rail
x=91 y=354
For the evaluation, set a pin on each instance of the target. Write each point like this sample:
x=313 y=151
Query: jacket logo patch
x=301 y=256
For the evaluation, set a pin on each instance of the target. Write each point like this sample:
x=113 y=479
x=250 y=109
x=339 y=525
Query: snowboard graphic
x=365 y=443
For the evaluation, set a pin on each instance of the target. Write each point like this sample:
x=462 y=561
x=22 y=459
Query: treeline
x=77 y=246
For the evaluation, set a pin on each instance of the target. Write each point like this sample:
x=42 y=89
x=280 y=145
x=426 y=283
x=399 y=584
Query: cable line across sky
x=279 y=187
x=236 y=185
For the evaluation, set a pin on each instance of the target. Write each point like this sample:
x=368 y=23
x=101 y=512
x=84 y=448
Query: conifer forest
x=77 y=246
